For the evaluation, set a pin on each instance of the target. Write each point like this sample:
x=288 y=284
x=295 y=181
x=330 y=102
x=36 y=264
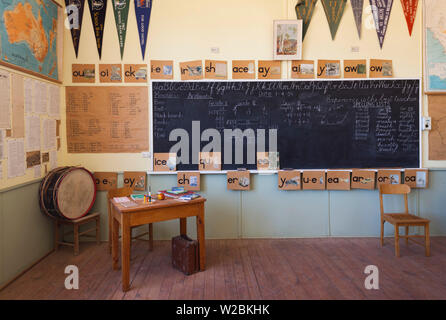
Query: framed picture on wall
x=287 y=39
x=434 y=46
x=31 y=37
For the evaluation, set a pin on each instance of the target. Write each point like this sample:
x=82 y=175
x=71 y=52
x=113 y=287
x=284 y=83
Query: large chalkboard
x=321 y=124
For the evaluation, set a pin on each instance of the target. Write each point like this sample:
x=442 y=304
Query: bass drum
x=67 y=193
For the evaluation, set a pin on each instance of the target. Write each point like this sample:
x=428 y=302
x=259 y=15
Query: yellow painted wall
x=29 y=173
x=241 y=29
x=187 y=30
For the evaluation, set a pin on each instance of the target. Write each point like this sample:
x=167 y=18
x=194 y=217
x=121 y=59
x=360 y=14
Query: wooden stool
x=76 y=234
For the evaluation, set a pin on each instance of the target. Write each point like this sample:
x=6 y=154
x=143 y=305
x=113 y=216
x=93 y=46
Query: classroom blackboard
x=320 y=124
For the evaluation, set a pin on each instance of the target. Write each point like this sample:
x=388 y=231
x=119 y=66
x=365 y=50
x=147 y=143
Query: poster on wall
x=121 y=11
x=29 y=37
x=437 y=136
x=381 y=13
x=75 y=13
x=98 y=8
x=304 y=11
x=334 y=9
x=106 y=119
x=143 y=8
x=410 y=12
x=287 y=39
x=357 y=6
x=434 y=46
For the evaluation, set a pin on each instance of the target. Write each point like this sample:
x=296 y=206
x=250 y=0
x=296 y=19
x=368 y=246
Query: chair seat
x=85 y=218
x=402 y=218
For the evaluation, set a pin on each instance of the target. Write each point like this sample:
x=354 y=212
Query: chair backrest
x=401 y=189
x=120 y=192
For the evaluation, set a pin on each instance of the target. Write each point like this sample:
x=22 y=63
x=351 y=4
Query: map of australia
x=28 y=30
x=435 y=44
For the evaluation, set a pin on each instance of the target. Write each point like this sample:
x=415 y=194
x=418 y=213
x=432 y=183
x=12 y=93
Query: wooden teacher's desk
x=144 y=213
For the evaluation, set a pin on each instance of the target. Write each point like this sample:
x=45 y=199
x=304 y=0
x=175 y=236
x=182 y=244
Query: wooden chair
x=124 y=192
x=76 y=234
x=404 y=219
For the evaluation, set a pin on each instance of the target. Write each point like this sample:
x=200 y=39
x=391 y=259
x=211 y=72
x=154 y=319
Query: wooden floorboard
x=323 y=268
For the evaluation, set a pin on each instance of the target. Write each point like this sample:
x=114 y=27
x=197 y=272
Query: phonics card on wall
x=161 y=69
x=302 y=69
x=313 y=180
x=209 y=161
x=135 y=180
x=243 y=69
x=83 y=73
x=338 y=180
x=363 y=179
x=416 y=178
x=105 y=180
x=164 y=161
x=381 y=68
x=189 y=180
x=328 y=69
x=238 y=180
x=267 y=160
x=191 y=70
x=269 y=69
x=289 y=180
x=135 y=73
x=388 y=177
x=355 y=68
x=109 y=73
x=216 y=69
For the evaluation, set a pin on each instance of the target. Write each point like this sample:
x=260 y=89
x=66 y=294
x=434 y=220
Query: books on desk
x=137 y=196
x=189 y=197
x=180 y=194
x=129 y=204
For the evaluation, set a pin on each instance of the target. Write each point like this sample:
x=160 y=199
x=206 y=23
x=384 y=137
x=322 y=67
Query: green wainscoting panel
x=26 y=234
x=268 y=212
x=433 y=202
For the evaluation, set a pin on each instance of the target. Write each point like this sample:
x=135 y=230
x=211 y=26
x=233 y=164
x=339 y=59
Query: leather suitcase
x=185 y=254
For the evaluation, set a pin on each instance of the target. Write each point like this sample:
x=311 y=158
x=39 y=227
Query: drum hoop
x=43 y=185
x=59 y=180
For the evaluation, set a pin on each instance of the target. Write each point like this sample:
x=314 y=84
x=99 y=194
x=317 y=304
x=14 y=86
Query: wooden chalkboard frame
x=269 y=172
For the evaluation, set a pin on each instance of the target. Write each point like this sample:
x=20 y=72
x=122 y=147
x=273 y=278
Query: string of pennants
x=334 y=10
x=98 y=8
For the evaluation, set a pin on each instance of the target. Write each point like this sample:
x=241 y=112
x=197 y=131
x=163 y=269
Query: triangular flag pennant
x=381 y=12
x=75 y=12
x=334 y=10
x=143 y=8
x=98 y=9
x=304 y=12
x=357 y=6
x=410 y=11
x=121 y=11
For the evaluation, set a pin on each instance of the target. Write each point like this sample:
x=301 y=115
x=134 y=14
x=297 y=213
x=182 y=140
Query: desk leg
x=183 y=226
x=115 y=237
x=200 y=236
x=125 y=255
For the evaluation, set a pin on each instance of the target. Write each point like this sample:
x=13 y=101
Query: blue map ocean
x=20 y=53
x=435 y=53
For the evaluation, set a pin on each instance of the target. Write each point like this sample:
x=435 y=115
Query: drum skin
x=67 y=193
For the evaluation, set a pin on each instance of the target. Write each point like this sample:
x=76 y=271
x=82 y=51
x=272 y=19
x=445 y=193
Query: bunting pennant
x=410 y=12
x=143 y=8
x=121 y=11
x=75 y=12
x=357 y=6
x=381 y=12
x=97 y=12
x=334 y=9
x=304 y=12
